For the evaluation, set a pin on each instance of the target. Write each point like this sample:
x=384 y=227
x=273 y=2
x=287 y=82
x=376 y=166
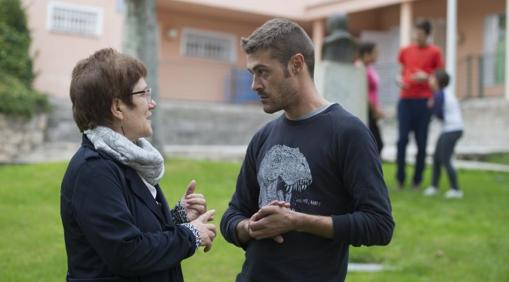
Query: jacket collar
x=136 y=185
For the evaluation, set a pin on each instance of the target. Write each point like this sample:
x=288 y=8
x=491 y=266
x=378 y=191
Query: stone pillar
x=318 y=32
x=405 y=23
x=337 y=78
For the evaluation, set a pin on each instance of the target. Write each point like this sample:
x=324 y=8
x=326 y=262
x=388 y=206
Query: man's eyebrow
x=256 y=67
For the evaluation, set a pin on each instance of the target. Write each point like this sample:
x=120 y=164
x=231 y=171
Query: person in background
x=446 y=108
x=417 y=62
x=368 y=54
x=117 y=223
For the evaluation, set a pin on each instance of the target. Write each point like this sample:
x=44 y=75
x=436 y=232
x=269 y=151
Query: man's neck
x=422 y=44
x=308 y=101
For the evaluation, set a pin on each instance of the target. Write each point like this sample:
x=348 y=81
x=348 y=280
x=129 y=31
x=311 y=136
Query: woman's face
x=136 y=121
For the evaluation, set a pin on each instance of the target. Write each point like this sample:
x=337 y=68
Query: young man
x=311 y=183
x=417 y=61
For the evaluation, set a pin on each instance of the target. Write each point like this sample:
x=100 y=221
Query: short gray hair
x=284 y=39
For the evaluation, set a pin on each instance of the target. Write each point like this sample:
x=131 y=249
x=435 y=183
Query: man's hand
x=194 y=204
x=244 y=232
x=271 y=221
x=207 y=230
x=420 y=76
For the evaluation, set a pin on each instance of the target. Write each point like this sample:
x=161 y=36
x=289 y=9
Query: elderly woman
x=117 y=223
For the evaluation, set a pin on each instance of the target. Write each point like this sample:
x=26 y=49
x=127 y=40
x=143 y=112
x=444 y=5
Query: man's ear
x=297 y=63
x=116 y=108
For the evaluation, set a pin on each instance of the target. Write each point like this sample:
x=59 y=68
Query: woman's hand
x=206 y=230
x=194 y=204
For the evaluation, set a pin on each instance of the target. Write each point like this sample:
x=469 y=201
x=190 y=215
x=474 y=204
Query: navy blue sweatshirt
x=438 y=105
x=325 y=165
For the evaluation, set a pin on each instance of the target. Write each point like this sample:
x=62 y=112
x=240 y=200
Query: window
x=494 y=49
x=75 y=19
x=208 y=45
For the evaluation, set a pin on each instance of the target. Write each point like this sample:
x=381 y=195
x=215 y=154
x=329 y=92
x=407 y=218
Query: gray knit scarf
x=141 y=156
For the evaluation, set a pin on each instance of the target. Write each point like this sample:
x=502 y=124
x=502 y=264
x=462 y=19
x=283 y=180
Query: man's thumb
x=191 y=187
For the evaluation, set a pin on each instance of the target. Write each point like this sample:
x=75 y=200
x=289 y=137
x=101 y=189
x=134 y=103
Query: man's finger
x=279 y=239
x=281 y=204
x=257 y=225
x=264 y=211
x=191 y=187
x=261 y=234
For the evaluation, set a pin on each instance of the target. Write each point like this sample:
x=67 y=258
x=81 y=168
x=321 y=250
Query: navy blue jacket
x=114 y=229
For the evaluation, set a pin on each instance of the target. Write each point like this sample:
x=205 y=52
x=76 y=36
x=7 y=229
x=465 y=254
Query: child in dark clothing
x=447 y=110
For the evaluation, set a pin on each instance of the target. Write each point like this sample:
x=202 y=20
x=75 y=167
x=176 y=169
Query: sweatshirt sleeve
x=438 y=105
x=370 y=222
x=244 y=202
x=102 y=214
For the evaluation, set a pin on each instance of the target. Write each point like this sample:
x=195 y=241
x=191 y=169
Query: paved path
x=63 y=151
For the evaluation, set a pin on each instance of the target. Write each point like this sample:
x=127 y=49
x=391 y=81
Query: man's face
x=420 y=36
x=275 y=86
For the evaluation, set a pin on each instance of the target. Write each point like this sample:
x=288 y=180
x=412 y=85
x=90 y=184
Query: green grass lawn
x=435 y=239
x=500 y=158
x=497 y=158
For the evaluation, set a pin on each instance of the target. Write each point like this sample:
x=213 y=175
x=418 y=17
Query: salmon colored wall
x=185 y=78
x=56 y=54
x=471 y=16
x=200 y=79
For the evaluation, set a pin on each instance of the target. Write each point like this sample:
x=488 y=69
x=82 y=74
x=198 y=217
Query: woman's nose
x=152 y=104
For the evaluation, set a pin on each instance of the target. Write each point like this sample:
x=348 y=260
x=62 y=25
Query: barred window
x=208 y=45
x=75 y=19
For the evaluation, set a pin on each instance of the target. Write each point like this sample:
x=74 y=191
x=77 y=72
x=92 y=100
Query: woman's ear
x=116 y=108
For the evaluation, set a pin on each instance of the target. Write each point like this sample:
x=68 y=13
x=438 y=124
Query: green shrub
x=15 y=41
x=18 y=100
x=16 y=72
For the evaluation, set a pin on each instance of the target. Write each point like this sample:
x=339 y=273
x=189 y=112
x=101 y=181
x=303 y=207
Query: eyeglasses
x=146 y=92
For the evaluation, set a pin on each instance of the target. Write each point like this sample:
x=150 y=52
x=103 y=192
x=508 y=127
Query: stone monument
x=338 y=79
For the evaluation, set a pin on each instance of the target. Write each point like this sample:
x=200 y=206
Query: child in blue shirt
x=446 y=109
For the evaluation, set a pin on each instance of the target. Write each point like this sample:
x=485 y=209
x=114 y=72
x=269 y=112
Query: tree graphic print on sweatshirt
x=283 y=171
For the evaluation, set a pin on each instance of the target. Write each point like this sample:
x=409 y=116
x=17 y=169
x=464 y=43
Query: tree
x=17 y=97
x=141 y=40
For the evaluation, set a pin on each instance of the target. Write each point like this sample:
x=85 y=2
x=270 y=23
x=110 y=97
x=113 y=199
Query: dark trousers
x=375 y=130
x=442 y=157
x=413 y=116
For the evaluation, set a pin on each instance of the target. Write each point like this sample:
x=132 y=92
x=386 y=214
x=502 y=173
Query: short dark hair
x=442 y=78
x=284 y=39
x=366 y=48
x=97 y=80
x=424 y=25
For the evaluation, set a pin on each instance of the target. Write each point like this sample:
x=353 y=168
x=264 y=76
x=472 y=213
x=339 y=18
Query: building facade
x=200 y=55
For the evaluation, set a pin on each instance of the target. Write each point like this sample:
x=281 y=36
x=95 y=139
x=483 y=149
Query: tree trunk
x=141 y=40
